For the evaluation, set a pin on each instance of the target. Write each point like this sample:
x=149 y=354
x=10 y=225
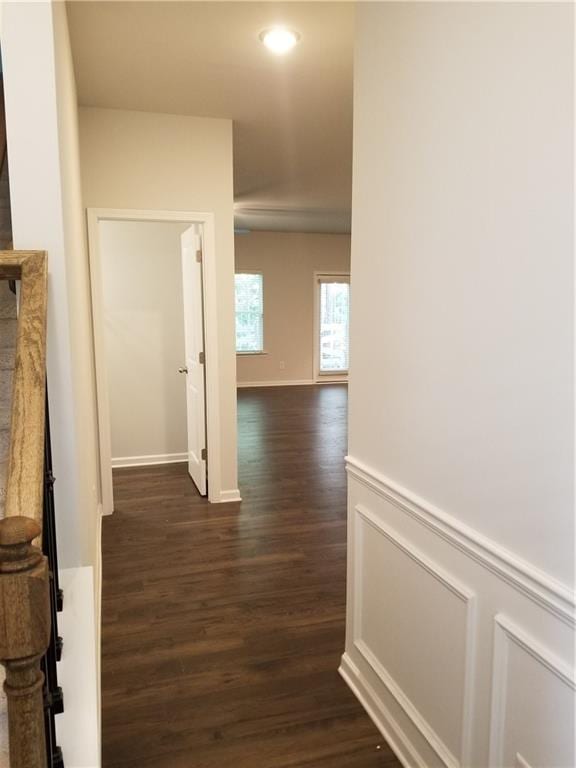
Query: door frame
x=324 y=378
x=211 y=366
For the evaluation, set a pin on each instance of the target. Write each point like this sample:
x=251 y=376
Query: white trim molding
x=212 y=366
x=294 y=383
x=328 y=376
x=420 y=723
x=466 y=596
x=228 y=496
x=147 y=461
x=538 y=586
x=505 y=634
x=380 y=714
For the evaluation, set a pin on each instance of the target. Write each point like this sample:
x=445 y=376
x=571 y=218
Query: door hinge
x=199 y=255
x=204 y=454
x=201 y=358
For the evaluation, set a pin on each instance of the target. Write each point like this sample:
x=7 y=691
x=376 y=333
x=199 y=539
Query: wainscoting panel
x=532 y=702
x=418 y=601
x=461 y=652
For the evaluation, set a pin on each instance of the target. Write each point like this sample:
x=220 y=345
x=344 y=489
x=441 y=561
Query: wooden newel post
x=24 y=637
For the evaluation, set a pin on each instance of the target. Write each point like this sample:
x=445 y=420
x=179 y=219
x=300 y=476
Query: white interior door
x=193 y=367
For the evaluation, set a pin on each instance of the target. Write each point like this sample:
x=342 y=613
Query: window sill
x=251 y=354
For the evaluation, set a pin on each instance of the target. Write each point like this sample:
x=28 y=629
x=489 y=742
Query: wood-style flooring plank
x=223 y=625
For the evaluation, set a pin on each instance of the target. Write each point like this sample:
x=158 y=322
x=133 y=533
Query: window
x=334 y=324
x=249 y=312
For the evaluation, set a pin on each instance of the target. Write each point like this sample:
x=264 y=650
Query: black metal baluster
x=53 y=698
x=53 y=751
x=49 y=515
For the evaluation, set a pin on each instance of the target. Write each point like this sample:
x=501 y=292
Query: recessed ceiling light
x=279 y=40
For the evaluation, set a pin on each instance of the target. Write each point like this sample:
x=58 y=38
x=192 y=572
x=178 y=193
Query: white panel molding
x=505 y=634
x=380 y=714
x=145 y=461
x=293 y=383
x=463 y=594
x=538 y=586
x=420 y=723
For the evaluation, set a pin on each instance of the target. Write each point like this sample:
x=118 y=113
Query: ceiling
x=292 y=114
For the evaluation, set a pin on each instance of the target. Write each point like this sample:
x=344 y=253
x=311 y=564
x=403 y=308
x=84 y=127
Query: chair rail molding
x=443 y=585
x=538 y=586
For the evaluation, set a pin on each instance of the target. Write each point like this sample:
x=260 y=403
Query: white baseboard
x=145 y=461
x=227 y=496
x=379 y=714
x=294 y=383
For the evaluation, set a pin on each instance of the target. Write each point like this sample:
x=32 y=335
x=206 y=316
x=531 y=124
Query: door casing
x=212 y=372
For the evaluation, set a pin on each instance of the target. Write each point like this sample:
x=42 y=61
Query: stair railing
x=25 y=613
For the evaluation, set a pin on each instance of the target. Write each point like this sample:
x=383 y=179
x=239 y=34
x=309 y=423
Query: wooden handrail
x=26 y=458
x=24 y=579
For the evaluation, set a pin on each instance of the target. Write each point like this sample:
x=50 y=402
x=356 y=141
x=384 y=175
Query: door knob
x=183 y=370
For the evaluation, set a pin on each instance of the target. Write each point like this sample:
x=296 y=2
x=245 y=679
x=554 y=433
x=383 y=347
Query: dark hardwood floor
x=223 y=625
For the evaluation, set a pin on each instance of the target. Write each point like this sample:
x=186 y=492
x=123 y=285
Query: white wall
x=140 y=160
x=42 y=131
x=143 y=318
x=47 y=215
x=287 y=261
x=461 y=501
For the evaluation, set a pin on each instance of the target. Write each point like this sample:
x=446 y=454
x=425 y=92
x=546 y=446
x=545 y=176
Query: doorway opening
x=331 y=326
x=153 y=305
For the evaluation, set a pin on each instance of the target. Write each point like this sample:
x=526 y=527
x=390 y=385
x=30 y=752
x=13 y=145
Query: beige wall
x=461 y=441
x=141 y=160
x=287 y=261
x=143 y=322
x=78 y=284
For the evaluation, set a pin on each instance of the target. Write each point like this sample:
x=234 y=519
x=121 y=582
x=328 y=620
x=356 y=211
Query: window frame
x=249 y=353
x=319 y=278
